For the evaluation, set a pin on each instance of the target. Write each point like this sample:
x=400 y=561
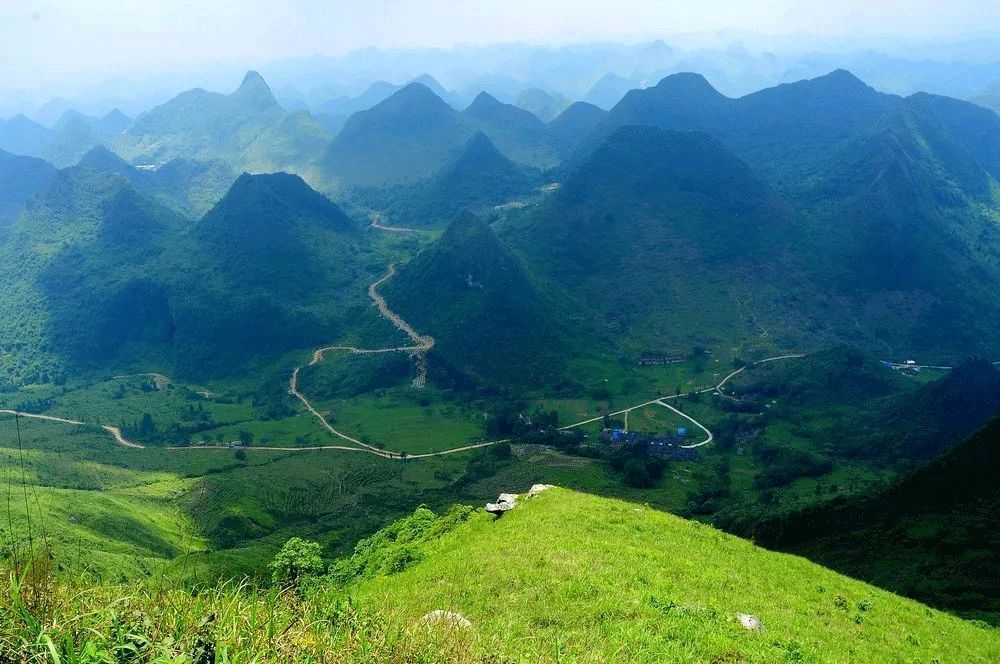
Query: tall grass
x=230 y=622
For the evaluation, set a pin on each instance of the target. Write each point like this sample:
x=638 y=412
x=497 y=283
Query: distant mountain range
x=69 y=139
x=800 y=216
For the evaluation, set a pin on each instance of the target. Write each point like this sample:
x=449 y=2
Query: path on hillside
x=421 y=345
x=115 y=432
x=377 y=223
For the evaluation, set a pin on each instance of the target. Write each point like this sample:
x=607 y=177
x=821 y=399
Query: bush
x=297 y=560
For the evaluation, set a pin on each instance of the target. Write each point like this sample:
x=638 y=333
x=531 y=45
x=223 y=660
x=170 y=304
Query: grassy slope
x=568 y=576
x=564 y=577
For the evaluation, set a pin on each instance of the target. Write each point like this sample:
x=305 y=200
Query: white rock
x=506 y=501
x=750 y=622
x=537 y=489
x=449 y=618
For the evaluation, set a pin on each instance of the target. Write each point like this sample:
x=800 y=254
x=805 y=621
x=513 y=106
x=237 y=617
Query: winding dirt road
x=115 y=432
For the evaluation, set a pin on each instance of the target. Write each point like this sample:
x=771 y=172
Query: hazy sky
x=47 y=40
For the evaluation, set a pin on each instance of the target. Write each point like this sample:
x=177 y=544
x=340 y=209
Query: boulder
x=537 y=489
x=506 y=502
x=750 y=622
x=447 y=618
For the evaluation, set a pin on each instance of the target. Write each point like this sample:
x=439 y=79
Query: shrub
x=297 y=560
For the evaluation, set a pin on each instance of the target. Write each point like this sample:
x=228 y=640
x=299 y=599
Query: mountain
x=608 y=91
x=22 y=136
x=930 y=535
x=20 y=178
x=587 y=579
x=72 y=138
x=376 y=93
x=188 y=187
x=895 y=198
x=477 y=180
x=910 y=428
x=432 y=84
x=193 y=187
x=108 y=126
x=837 y=375
x=518 y=133
x=472 y=295
x=990 y=101
x=406 y=138
x=247 y=129
x=256 y=268
x=102 y=275
x=112 y=123
x=333 y=123
x=373 y=95
x=573 y=125
x=77 y=270
x=784 y=132
x=657 y=236
x=544 y=105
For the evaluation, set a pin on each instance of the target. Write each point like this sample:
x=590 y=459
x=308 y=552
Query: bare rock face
x=446 y=618
x=505 y=503
x=537 y=489
x=752 y=623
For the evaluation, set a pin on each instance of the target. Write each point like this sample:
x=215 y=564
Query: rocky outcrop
x=505 y=503
x=508 y=501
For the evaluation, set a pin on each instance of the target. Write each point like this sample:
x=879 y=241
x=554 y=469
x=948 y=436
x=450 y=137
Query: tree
x=246 y=437
x=147 y=426
x=297 y=560
x=637 y=474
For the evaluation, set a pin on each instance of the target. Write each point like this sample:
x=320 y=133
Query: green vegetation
x=564 y=576
x=928 y=535
x=690 y=236
x=484 y=311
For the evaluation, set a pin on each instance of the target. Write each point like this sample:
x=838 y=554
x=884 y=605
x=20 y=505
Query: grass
x=572 y=577
x=565 y=577
x=402 y=425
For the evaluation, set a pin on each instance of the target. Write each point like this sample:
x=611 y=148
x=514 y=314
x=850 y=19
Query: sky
x=45 y=41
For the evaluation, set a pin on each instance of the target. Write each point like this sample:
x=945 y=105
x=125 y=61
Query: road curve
x=115 y=432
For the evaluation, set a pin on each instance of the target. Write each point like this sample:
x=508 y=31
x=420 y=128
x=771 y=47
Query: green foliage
x=583 y=577
x=297 y=560
x=101 y=275
x=837 y=375
x=397 y=546
x=929 y=535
